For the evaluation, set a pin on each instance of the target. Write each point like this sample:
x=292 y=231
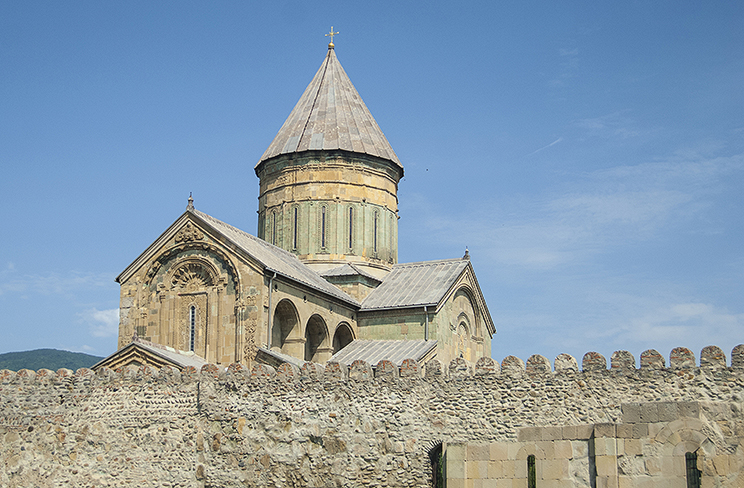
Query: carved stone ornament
x=191 y=277
x=189 y=233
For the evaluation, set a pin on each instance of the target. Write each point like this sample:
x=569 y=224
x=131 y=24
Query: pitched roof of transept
x=331 y=115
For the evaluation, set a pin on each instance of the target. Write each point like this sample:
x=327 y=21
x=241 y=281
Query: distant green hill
x=46 y=359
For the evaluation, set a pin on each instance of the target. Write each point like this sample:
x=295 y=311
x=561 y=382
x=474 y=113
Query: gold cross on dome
x=331 y=34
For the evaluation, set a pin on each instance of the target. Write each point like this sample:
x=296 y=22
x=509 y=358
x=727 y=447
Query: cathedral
x=321 y=279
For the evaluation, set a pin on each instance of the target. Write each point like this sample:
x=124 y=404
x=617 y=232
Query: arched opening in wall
x=692 y=471
x=284 y=325
x=531 y=472
x=342 y=337
x=316 y=334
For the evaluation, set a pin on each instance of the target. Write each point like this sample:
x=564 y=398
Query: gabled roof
x=144 y=352
x=272 y=258
x=331 y=115
x=348 y=269
x=275 y=259
x=374 y=351
x=276 y=359
x=415 y=284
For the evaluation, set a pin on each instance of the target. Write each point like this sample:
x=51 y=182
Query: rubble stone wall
x=336 y=426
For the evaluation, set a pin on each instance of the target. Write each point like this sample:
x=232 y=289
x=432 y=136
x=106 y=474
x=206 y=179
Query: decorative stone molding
x=188 y=233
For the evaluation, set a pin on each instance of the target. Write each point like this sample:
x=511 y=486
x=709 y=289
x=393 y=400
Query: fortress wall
x=336 y=426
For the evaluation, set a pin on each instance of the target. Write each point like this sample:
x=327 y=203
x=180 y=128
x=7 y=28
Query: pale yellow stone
x=495 y=469
x=606 y=465
x=554 y=469
x=498 y=451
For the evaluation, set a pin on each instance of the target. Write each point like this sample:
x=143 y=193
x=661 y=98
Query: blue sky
x=589 y=154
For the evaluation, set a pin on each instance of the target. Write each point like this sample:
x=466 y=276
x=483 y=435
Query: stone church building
x=321 y=280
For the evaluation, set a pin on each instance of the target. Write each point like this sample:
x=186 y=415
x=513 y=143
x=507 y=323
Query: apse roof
x=331 y=115
x=415 y=284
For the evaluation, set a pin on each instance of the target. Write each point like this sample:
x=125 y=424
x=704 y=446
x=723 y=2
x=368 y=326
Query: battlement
x=367 y=426
x=621 y=362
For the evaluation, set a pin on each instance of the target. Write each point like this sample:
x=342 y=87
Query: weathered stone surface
x=434 y=369
x=487 y=366
x=712 y=357
x=622 y=361
x=312 y=371
x=512 y=366
x=335 y=371
x=737 y=356
x=111 y=430
x=651 y=359
x=537 y=365
x=565 y=362
x=360 y=371
x=262 y=372
x=386 y=370
x=288 y=372
x=459 y=368
x=593 y=361
x=410 y=368
x=681 y=358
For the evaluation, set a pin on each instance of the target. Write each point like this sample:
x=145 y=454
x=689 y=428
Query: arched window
x=693 y=473
x=273 y=228
x=322 y=227
x=295 y=221
x=531 y=472
x=377 y=214
x=351 y=227
x=192 y=327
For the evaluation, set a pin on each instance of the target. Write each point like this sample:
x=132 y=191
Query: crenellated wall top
x=621 y=362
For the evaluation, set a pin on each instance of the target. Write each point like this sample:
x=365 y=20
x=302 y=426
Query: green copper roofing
x=331 y=115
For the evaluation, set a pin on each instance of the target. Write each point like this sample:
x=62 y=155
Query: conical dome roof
x=331 y=115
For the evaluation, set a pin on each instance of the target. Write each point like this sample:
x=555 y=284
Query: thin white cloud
x=545 y=147
x=101 y=323
x=50 y=284
x=569 y=66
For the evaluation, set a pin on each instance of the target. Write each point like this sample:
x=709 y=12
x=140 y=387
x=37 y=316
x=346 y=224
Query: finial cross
x=331 y=34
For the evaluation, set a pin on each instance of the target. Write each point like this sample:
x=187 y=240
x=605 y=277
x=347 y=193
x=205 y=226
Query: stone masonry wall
x=322 y=425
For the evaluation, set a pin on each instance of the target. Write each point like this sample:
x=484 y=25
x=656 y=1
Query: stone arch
x=316 y=340
x=466 y=291
x=342 y=336
x=192 y=274
x=285 y=327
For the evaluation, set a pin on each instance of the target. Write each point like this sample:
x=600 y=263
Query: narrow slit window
x=323 y=227
x=693 y=473
x=192 y=327
x=273 y=228
x=294 y=235
x=531 y=472
x=351 y=227
x=375 y=235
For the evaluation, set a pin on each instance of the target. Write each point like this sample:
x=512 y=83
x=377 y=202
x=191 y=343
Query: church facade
x=321 y=279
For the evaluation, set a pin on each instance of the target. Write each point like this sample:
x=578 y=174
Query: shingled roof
x=331 y=115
